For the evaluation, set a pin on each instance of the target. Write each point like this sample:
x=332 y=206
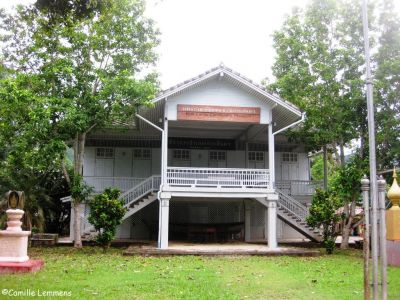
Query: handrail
x=292 y=206
x=216 y=169
x=99 y=183
x=148 y=185
x=218 y=177
x=298 y=187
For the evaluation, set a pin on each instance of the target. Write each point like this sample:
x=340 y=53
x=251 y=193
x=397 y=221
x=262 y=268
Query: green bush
x=323 y=214
x=106 y=213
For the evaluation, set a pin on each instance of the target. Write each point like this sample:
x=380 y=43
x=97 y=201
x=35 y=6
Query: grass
x=90 y=273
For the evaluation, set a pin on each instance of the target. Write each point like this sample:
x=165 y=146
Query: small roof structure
x=284 y=112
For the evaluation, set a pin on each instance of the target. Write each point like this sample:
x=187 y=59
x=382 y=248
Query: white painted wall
x=89 y=162
x=124 y=230
x=217 y=92
x=156 y=161
x=104 y=167
x=141 y=168
x=124 y=165
x=236 y=159
x=199 y=158
x=304 y=166
x=123 y=162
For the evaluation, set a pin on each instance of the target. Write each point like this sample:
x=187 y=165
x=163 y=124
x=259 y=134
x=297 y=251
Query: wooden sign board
x=219 y=113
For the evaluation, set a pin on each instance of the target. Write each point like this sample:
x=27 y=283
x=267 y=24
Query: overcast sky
x=197 y=35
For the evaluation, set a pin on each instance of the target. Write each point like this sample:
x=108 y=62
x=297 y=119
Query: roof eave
x=202 y=77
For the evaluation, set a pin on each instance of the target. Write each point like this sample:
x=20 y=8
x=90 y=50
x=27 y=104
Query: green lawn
x=90 y=273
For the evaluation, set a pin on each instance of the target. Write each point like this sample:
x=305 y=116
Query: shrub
x=106 y=213
x=323 y=214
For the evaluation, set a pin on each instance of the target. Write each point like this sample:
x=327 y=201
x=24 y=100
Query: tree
x=86 y=67
x=320 y=67
x=43 y=189
x=79 y=8
x=317 y=168
x=106 y=212
x=30 y=159
x=346 y=185
x=311 y=71
x=323 y=213
x=387 y=89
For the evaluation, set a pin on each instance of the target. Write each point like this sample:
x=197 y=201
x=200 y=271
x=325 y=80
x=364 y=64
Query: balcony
x=212 y=179
x=218 y=178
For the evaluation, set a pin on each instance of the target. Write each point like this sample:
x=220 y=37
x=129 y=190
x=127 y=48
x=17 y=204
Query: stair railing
x=137 y=192
x=292 y=206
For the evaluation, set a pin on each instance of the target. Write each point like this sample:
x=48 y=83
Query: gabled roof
x=284 y=113
x=223 y=70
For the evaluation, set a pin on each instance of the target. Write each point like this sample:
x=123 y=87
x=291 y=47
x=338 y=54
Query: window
x=217 y=155
x=256 y=156
x=181 y=154
x=142 y=153
x=289 y=157
x=104 y=152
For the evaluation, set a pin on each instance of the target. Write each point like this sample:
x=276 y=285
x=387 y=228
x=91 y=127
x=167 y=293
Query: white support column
x=164 y=150
x=266 y=235
x=271 y=154
x=247 y=222
x=163 y=172
x=163 y=227
x=272 y=219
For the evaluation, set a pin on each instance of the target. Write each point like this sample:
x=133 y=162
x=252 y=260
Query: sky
x=197 y=35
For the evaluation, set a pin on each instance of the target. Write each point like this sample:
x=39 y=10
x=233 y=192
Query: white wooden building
x=208 y=162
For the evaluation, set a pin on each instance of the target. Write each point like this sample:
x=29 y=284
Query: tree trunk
x=79 y=151
x=345 y=235
x=77 y=225
x=341 y=147
x=325 y=167
x=337 y=154
x=347 y=226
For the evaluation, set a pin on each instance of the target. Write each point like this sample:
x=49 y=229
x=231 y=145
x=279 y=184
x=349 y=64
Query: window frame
x=181 y=154
x=217 y=156
x=105 y=153
x=142 y=153
x=253 y=156
x=289 y=157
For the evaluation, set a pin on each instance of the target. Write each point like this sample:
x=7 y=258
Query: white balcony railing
x=99 y=183
x=218 y=177
x=298 y=187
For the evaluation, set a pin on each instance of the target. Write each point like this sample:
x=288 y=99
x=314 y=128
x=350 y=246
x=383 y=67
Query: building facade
x=209 y=161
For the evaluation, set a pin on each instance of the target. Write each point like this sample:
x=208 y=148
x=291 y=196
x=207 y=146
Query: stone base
x=13 y=246
x=393 y=253
x=21 y=267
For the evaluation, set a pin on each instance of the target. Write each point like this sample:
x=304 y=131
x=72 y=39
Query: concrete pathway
x=182 y=248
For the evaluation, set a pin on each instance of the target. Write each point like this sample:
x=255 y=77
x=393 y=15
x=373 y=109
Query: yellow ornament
x=394 y=191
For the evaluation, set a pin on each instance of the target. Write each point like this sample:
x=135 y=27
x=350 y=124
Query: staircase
x=134 y=200
x=294 y=214
x=289 y=209
x=141 y=195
